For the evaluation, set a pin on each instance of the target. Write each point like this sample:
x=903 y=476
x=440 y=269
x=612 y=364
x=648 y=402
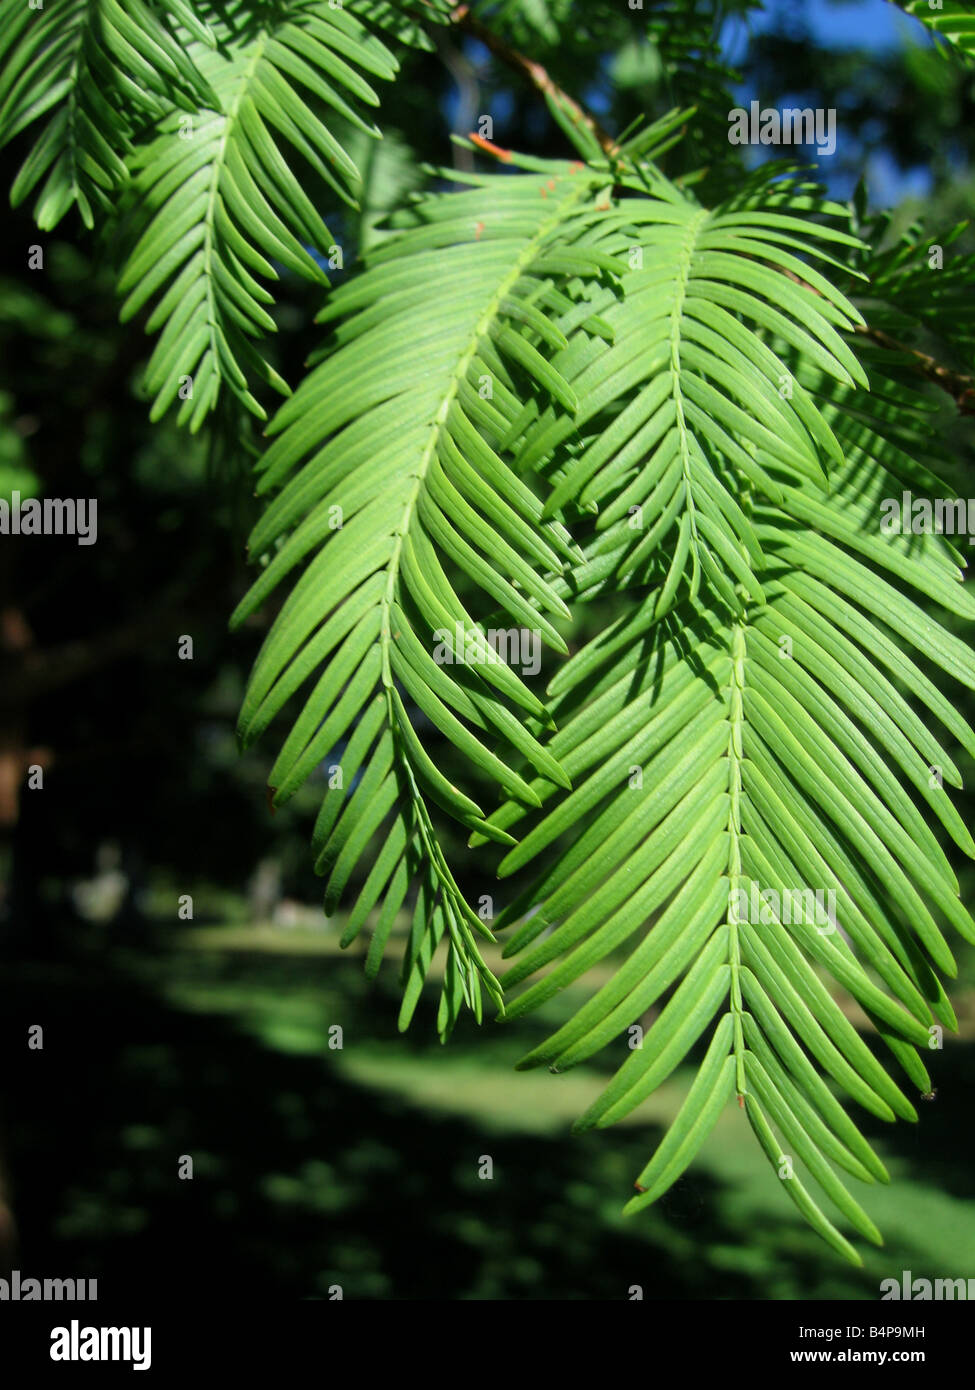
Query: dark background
x=314 y=1166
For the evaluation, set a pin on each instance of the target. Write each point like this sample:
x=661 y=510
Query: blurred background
x=316 y=1166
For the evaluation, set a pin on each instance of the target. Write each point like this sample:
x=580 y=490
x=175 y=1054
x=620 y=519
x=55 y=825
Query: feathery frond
x=569 y=382
x=94 y=69
x=746 y=772
x=393 y=473
x=917 y=288
x=215 y=206
x=688 y=387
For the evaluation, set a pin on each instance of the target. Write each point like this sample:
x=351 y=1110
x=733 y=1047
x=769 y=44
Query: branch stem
x=532 y=72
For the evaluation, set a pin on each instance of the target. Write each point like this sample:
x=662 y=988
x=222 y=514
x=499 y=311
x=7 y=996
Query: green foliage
x=391 y=465
x=213 y=200
x=569 y=382
x=95 y=69
x=951 y=20
x=198 y=171
x=909 y=302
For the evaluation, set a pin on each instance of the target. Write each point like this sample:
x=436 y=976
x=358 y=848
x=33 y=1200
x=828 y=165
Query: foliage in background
x=702 y=382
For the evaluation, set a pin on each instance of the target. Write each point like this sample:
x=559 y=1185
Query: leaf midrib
x=677 y=309
x=218 y=163
x=481 y=331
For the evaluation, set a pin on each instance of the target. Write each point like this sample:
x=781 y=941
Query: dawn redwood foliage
x=548 y=383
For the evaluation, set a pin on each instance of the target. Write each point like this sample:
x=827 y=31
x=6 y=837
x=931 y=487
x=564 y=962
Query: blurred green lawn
x=315 y=1166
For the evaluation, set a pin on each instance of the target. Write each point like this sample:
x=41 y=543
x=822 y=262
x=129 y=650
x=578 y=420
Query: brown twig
x=533 y=72
x=959 y=386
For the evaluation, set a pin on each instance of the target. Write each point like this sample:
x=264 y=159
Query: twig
x=533 y=72
x=465 y=76
x=959 y=386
